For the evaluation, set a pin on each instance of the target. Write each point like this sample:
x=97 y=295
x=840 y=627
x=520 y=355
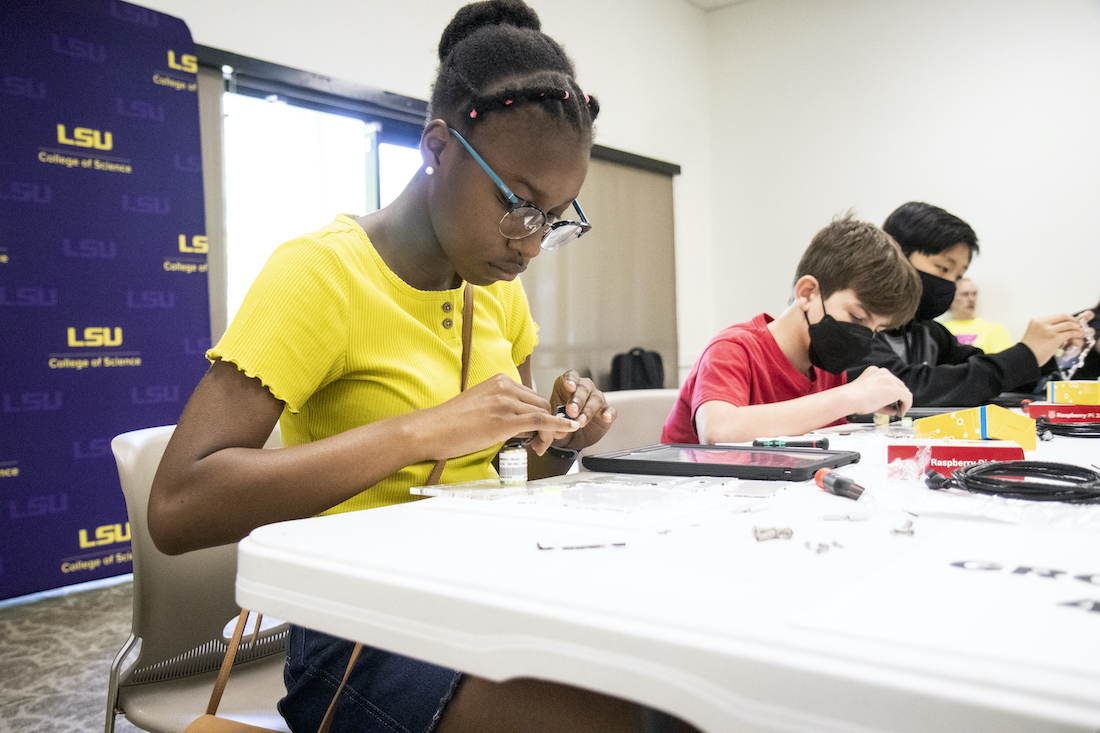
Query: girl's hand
x=491 y=412
x=584 y=404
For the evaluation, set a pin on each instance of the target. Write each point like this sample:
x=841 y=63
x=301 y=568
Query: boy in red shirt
x=785 y=376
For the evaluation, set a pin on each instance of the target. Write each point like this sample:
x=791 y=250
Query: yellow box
x=1079 y=392
x=988 y=422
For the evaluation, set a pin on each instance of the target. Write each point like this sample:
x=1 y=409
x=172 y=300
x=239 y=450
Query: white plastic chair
x=182 y=604
x=641 y=414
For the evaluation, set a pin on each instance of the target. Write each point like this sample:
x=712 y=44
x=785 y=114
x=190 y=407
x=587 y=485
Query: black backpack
x=637 y=369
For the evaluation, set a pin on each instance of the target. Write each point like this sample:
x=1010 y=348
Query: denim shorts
x=386 y=693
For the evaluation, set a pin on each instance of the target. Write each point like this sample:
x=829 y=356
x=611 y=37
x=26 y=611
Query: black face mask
x=935 y=298
x=835 y=345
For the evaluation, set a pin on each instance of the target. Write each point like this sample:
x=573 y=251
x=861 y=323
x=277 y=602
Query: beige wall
x=988 y=108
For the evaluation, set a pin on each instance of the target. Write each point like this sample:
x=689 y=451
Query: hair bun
x=475 y=16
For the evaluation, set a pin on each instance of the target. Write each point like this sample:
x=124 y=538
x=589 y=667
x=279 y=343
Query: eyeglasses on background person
x=524 y=219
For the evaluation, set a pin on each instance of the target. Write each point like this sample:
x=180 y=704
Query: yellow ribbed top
x=343 y=341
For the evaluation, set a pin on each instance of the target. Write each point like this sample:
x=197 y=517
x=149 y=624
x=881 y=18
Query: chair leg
x=112 y=685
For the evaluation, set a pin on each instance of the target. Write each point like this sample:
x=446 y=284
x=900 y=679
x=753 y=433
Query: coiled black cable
x=1032 y=480
x=1046 y=429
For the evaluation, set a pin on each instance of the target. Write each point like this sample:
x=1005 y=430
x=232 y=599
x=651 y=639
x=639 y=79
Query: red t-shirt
x=742 y=365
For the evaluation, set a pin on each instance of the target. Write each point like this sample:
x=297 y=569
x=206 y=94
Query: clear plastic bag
x=911 y=469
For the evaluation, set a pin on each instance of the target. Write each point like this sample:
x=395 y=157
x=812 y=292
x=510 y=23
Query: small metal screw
x=771 y=533
x=906 y=529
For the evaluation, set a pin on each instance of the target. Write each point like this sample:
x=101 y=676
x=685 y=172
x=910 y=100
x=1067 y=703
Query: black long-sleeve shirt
x=940 y=371
x=1091 y=367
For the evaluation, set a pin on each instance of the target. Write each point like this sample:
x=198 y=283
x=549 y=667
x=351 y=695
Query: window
x=284 y=152
x=288 y=170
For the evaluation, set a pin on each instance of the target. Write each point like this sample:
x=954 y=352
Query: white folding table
x=893 y=613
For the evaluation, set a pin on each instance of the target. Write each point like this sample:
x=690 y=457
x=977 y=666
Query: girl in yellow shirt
x=351 y=337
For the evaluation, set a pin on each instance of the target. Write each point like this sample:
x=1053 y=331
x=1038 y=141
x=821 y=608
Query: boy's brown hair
x=860 y=256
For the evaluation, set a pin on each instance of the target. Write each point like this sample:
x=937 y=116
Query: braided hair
x=493 y=56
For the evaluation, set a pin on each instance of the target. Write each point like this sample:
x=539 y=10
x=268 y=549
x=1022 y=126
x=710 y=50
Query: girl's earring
x=429 y=170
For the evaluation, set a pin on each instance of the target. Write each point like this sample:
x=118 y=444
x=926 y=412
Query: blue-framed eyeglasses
x=524 y=219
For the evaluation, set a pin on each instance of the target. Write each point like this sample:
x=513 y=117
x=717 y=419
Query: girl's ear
x=806 y=288
x=436 y=136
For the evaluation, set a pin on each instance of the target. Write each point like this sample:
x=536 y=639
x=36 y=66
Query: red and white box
x=1074 y=392
x=1063 y=413
x=947 y=455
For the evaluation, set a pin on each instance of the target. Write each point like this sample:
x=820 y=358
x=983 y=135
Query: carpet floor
x=55 y=660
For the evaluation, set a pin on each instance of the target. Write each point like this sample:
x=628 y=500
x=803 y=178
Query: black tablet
x=787 y=464
x=914 y=412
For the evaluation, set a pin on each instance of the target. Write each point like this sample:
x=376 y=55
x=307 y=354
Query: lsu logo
x=40 y=297
x=84 y=137
x=94 y=448
x=146 y=204
x=96 y=337
x=198 y=244
x=139 y=109
x=33 y=402
x=198 y=346
x=79 y=49
x=108 y=534
x=89 y=248
x=39 y=506
x=187 y=63
x=187 y=163
x=155 y=395
x=134 y=14
x=35 y=193
x=151 y=299
x=20 y=87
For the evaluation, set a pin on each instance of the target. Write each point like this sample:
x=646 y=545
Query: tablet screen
x=720 y=460
x=786 y=459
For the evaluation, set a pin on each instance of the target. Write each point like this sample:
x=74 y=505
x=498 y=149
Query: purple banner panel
x=104 y=316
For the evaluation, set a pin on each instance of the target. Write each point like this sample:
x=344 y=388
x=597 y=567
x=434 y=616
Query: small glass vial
x=903 y=428
x=512 y=460
x=882 y=422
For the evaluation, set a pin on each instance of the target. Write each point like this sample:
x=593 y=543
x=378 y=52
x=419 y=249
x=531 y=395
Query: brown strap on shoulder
x=467 y=331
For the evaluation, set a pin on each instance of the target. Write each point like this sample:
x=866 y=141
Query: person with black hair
x=1090 y=369
x=349 y=337
x=936 y=368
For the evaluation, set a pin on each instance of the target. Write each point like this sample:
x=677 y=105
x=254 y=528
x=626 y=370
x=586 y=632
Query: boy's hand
x=878 y=390
x=1044 y=336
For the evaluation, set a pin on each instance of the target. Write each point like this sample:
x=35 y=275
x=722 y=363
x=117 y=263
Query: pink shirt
x=742 y=365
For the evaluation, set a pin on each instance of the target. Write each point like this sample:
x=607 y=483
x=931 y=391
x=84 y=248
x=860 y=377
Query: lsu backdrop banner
x=104 y=317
